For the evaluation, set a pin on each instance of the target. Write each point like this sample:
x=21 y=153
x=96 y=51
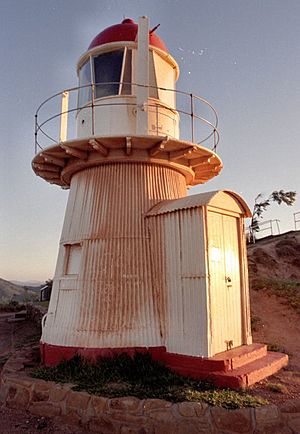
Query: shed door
x=225 y=284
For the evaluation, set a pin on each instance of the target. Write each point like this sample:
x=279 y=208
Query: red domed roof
x=126 y=31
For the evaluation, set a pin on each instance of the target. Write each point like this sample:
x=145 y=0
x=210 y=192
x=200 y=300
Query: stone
x=273 y=428
x=293 y=421
x=103 y=425
x=99 y=404
x=235 y=421
x=58 y=393
x=130 y=430
x=186 y=409
x=290 y=406
x=154 y=404
x=125 y=417
x=17 y=397
x=163 y=415
x=166 y=428
x=46 y=409
x=125 y=404
x=40 y=391
x=200 y=408
x=194 y=427
x=20 y=380
x=268 y=413
x=77 y=400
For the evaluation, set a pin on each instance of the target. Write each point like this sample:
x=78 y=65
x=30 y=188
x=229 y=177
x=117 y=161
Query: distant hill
x=11 y=291
x=29 y=283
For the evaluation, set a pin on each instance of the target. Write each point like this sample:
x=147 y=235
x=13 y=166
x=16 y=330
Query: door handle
x=228 y=281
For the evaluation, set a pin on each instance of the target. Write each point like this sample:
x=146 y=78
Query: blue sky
x=242 y=56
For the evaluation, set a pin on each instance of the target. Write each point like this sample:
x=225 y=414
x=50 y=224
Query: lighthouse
x=141 y=266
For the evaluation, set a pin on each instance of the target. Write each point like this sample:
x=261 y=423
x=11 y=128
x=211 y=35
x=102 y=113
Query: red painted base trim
x=52 y=355
x=240 y=367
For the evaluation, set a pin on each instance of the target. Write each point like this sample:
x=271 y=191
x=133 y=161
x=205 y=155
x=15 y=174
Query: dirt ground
x=279 y=326
x=12 y=337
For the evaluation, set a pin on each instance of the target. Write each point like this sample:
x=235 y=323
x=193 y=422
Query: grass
x=142 y=377
x=287 y=289
x=277 y=388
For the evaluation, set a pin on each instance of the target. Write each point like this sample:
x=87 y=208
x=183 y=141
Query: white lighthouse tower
x=141 y=265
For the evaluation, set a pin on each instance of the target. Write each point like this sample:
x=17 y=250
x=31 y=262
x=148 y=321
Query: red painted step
x=223 y=362
x=250 y=373
x=240 y=356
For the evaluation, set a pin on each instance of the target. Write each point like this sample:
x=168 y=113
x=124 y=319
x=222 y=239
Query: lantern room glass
x=107 y=70
x=85 y=79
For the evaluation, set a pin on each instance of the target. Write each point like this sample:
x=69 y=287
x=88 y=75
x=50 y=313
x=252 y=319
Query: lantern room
x=119 y=73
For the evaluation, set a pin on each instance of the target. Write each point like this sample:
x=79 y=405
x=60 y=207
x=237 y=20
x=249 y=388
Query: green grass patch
x=287 y=289
x=142 y=377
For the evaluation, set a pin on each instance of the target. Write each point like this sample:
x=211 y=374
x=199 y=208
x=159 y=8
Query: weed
x=276 y=348
x=277 y=387
x=142 y=377
x=255 y=321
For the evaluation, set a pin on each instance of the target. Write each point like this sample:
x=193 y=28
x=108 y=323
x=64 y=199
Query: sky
x=243 y=56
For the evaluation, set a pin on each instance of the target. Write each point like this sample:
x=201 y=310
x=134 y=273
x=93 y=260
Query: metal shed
x=199 y=257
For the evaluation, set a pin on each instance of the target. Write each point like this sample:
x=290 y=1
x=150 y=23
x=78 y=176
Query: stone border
x=134 y=416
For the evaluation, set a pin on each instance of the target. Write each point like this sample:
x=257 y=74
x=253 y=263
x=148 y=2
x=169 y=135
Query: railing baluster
x=192 y=116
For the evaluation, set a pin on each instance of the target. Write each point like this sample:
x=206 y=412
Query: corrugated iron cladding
x=181 y=271
x=118 y=298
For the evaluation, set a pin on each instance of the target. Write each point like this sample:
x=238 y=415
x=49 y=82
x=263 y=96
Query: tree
x=261 y=204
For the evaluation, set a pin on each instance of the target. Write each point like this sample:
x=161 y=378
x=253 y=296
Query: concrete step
x=250 y=373
x=241 y=356
x=223 y=362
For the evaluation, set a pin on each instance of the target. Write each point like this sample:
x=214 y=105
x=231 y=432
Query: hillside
x=274 y=274
x=276 y=256
x=10 y=291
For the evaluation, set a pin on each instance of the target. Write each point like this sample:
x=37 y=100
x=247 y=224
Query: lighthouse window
x=85 y=93
x=108 y=67
x=73 y=258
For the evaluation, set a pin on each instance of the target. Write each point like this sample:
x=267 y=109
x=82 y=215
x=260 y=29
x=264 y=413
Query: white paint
x=142 y=69
x=64 y=116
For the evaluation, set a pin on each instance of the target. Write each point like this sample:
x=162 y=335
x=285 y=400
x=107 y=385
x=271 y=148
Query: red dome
x=126 y=31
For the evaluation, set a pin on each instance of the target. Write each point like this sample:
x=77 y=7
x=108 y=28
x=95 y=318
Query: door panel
x=225 y=288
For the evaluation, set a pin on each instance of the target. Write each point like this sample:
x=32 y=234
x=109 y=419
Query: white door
x=225 y=282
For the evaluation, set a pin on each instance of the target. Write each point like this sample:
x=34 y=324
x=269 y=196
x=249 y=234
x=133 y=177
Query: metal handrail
x=96 y=102
x=296 y=220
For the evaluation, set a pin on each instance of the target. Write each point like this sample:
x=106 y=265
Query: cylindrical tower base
x=104 y=291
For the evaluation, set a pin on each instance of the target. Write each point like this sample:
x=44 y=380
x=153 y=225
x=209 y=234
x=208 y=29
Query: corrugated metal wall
x=114 y=300
x=181 y=271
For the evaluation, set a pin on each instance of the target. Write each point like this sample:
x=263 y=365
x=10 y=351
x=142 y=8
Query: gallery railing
x=198 y=118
